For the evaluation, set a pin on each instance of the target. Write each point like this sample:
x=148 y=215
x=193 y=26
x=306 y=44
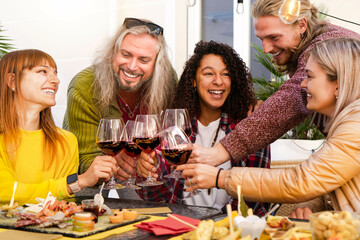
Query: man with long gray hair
x=132 y=75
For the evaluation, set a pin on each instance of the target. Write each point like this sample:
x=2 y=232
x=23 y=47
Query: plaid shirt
x=168 y=190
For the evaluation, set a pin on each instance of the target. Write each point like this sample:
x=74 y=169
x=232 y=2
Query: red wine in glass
x=109 y=140
x=176 y=156
x=132 y=149
x=176 y=148
x=111 y=148
x=147 y=144
x=146 y=137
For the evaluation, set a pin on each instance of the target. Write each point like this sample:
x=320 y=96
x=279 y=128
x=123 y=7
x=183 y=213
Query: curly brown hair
x=241 y=97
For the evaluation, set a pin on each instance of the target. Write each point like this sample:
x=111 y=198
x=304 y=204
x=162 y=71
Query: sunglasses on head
x=134 y=22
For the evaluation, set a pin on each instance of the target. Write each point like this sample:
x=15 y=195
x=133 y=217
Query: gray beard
x=128 y=88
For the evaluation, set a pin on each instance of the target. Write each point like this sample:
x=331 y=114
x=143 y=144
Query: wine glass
x=177 y=117
x=146 y=137
x=131 y=149
x=176 y=148
x=109 y=140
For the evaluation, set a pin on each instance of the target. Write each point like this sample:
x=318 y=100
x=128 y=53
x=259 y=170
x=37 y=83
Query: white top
x=218 y=197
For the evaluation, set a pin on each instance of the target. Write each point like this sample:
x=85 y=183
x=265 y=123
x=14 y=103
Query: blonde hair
x=315 y=26
x=155 y=93
x=339 y=58
x=15 y=63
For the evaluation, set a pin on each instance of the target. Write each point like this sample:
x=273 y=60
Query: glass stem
x=150 y=178
x=173 y=191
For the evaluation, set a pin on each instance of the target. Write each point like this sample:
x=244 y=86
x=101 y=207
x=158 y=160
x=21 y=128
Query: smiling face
x=38 y=87
x=277 y=37
x=134 y=62
x=212 y=82
x=321 y=92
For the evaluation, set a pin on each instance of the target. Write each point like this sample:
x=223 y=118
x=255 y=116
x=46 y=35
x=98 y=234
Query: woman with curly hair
x=216 y=88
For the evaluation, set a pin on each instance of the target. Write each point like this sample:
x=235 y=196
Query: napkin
x=168 y=226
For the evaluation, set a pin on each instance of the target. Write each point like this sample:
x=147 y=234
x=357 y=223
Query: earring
x=13 y=89
x=302 y=35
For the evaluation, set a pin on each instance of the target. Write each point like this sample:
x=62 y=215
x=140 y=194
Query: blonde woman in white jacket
x=333 y=88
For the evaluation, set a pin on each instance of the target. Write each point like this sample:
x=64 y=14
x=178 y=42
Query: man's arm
x=279 y=113
x=82 y=117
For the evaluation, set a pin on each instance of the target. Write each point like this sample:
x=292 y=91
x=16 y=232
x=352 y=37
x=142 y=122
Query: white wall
x=346 y=9
x=71 y=31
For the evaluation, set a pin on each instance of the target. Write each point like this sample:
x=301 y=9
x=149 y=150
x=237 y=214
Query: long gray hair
x=156 y=93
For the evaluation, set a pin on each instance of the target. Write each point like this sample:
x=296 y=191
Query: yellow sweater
x=28 y=171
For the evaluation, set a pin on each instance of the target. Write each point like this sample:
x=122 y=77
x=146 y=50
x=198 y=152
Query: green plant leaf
x=243 y=207
x=5 y=44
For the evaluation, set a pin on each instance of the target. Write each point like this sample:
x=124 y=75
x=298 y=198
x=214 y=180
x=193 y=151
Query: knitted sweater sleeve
x=279 y=113
x=82 y=118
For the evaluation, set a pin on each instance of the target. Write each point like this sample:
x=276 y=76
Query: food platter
x=103 y=224
x=55 y=216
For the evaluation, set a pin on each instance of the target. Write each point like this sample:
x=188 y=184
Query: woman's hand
x=126 y=166
x=301 y=213
x=211 y=156
x=146 y=164
x=102 y=167
x=198 y=176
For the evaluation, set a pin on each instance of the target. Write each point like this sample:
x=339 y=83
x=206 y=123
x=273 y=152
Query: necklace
x=126 y=108
x=216 y=136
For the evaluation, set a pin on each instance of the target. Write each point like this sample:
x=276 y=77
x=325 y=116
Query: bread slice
x=204 y=230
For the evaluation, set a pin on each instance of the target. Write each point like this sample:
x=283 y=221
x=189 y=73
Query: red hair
x=15 y=63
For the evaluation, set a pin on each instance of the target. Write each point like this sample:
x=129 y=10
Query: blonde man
x=131 y=75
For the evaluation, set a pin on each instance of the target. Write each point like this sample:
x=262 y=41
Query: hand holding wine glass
x=109 y=140
x=147 y=139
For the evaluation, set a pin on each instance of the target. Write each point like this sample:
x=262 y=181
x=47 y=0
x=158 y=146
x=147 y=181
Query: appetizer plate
x=103 y=224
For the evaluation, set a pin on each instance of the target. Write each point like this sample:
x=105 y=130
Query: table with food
x=96 y=217
x=92 y=216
